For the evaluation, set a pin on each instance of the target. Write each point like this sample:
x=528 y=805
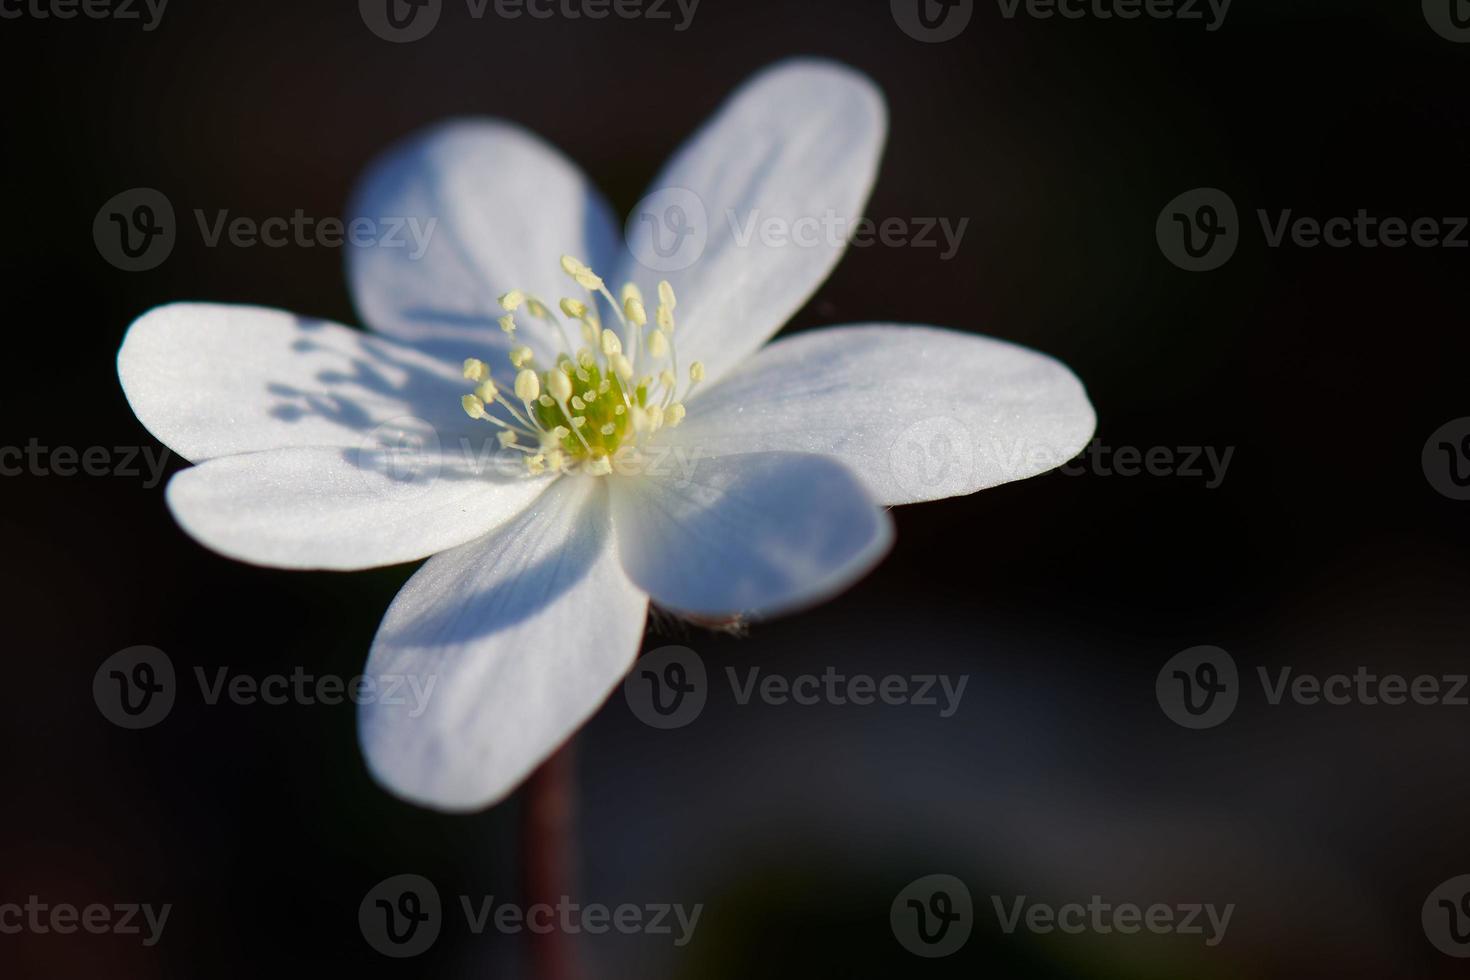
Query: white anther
x=475 y=369
x=579 y=271
x=559 y=385
x=608 y=429
x=528 y=385
x=696 y=372
x=578 y=403
x=473 y=407
x=487 y=391
x=658 y=345
x=666 y=295
x=574 y=308
x=622 y=366
x=512 y=301
x=611 y=344
x=634 y=311
x=665 y=319
x=508 y=323
x=674 y=415
x=521 y=355
x=507 y=438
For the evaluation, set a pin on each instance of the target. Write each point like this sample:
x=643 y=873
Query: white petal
x=799 y=143
x=210 y=380
x=749 y=535
x=919 y=413
x=334 y=508
x=498 y=207
x=522 y=635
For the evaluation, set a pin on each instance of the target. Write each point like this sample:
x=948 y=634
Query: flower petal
x=748 y=535
x=522 y=635
x=918 y=413
x=211 y=380
x=497 y=208
x=798 y=144
x=326 y=507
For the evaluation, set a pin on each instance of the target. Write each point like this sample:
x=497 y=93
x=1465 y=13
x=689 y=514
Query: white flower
x=532 y=608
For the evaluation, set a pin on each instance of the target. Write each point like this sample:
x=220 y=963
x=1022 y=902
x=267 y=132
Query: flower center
x=593 y=405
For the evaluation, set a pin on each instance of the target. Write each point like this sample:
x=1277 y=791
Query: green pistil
x=605 y=407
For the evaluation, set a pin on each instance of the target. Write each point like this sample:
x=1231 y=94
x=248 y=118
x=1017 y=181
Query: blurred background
x=1325 y=546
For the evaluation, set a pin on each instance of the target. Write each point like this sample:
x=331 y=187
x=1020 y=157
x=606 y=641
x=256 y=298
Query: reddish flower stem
x=549 y=860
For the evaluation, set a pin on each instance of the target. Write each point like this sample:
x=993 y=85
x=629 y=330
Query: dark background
x=1325 y=548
